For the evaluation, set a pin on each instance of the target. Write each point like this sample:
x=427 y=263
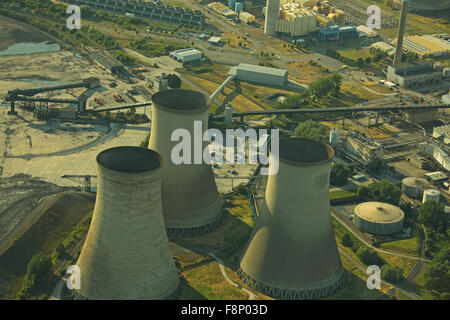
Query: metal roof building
x=186 y=55
x=259 y=74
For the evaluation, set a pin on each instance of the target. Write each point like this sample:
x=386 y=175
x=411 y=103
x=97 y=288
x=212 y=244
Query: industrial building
x=421 y=116
x=259 y=74
x=190 y=199
x=436 y=178
x=149 y=9
x=296 y=21
x=414 y=74
x=423 y=47
x=271 y=12
x=126 y=254
x=363 y=31
x=414 y=187
x=337 y=33
x=378 y=218
x=384 y=47
x=108 y=62
x=186 y=55
x=223 y=10
x=442 y=133
x=365 y=148
x=439 y=155
x=162 y=82
x=292 y=251
x=246 y=17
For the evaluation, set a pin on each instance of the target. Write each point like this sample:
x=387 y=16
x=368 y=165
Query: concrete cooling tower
x=292 y=252
x=126 y=254
x=191 y=203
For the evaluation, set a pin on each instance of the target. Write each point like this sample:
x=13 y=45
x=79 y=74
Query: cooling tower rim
x=287 y=155
x=180 y=101
x=129 y=160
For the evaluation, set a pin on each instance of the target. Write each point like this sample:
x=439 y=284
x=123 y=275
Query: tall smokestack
x=401 y=33
x=292 y=252
x=272 y=12
x=191 y=203
x=126 y=254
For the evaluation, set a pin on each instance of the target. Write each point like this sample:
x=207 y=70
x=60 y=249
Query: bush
x=347 y=240
x=339 y=174
x=391 y=273
x=39 y=266
x=368 y=256
x=445 y=296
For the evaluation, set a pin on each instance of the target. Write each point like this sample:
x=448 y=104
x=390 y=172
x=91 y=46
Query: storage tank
x=191 y=203
x=414 y=187
x=231 y=4
x=378 y=218
x=126 y=254
x=431 y=194
x=238 y=7
x=292 y=252
x=334 y=137
x=228 y=114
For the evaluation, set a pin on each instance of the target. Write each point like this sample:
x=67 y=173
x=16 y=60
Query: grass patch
x=408 y=246
x=341 y=194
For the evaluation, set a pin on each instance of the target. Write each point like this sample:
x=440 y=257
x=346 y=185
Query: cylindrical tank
x=378 y=218
x=231 y=4
x=126 y=254
x=414 y=187
x=238 y=7
x=334 y=137
x=292 y=252
x=272 y=13
x=228 y=114
x=190 y=198
x=431 y=194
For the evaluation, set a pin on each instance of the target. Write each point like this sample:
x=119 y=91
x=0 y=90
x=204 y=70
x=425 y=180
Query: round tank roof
x=379 y=212
x=304 y=151
x=129 y=159
x=180 y=101
x=415 y=182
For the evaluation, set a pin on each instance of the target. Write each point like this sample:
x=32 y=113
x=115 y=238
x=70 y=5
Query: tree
x=339 y=174
x=382 y=191
x=173 y=81
x=310 y=129
x=437 y=275
x=337 y=81
x=432 y=214
x=391 y=273
x=363 y=192
x=368 y=256
x=347 y=240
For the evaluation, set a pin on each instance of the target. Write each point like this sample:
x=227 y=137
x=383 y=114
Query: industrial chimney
x=191 y=203
x=401 y=33
x=272 y=13
x=292 y=252
x=126 y=254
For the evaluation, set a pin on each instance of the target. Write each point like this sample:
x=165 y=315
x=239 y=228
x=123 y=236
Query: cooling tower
x=126 y=254
x=272 y=12
x=401 y=33
x=292 y=252
x=191 y=203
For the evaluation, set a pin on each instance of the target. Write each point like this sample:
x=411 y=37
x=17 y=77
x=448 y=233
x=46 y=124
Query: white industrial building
x=259 y=74
x=186 y=55
x=364 y=31
x=384 y=47
x=442 y=131
x=296 y=21
x=246 y=17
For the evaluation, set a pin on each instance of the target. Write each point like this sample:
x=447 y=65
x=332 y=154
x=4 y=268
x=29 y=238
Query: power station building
x=378 y=218
x=259 y=74
x=292 y=252
x=126 y=253
x=414 y=74
x=296 y=21
x=337 y=33
x=186 y=55
x=190 y=199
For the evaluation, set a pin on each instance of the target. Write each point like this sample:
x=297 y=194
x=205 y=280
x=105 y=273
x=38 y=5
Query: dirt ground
x=11 y=33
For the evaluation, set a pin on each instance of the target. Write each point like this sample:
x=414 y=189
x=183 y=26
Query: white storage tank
x=334 y=137
x=431 y=194
x=378 y=218
x=228 y=114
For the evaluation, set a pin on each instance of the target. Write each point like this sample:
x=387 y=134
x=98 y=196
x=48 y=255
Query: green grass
x=354 y=54
x=407 y=246
x=341 y=194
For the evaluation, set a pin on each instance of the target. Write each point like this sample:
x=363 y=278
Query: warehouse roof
x=379 y=212
x=261 y=69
